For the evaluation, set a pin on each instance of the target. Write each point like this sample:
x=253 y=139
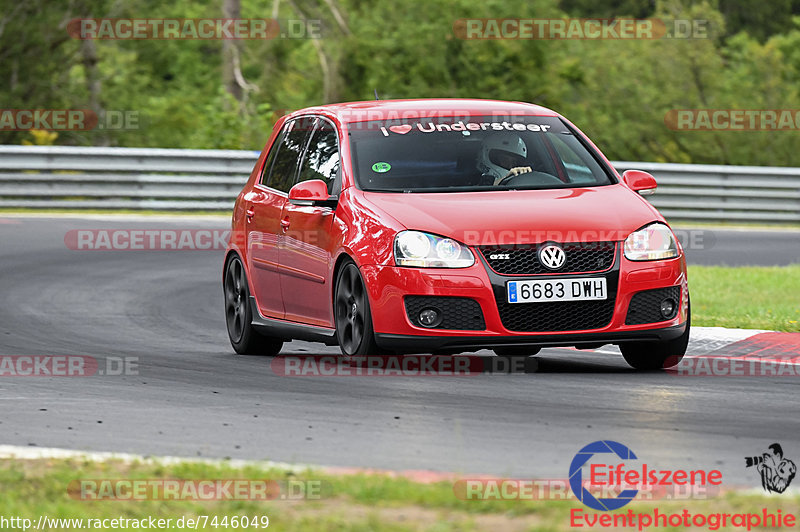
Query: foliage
x=617 y=91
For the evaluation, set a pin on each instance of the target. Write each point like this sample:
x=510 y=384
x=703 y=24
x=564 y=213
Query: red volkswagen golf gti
x=444 y=226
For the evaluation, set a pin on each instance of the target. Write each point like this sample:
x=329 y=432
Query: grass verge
x=33 y=488
x=746 y=297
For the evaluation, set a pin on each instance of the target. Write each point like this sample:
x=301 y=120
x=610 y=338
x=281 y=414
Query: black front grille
x=459 y=313
x=561 y=315
x=645 y=306
x=523 y=259
x=558 y=316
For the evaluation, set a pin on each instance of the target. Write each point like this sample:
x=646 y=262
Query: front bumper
x=389 y=285
x=426 y=344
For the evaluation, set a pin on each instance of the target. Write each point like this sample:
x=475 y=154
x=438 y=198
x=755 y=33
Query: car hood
x=587 y=214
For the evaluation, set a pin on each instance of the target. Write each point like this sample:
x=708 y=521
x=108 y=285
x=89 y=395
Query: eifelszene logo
x=776 y=471
x=607 y=479
x=576 y=475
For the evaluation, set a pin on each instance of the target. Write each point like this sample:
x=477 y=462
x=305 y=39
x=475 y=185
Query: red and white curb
x=705 y=340
x=717 y=351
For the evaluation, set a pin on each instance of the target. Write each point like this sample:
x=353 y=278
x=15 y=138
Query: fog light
x=668 y=307
x=430 y=317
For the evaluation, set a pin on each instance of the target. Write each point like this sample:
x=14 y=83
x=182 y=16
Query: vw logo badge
x=552 y=256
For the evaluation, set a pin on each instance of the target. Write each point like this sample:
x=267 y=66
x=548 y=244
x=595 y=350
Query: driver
x=503 y=155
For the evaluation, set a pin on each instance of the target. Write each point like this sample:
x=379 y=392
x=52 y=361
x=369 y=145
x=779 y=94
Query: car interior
x=440 y=162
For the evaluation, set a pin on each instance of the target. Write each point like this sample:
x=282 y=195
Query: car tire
x=239 y=317
x=352 y=314
x=516 y=351
x=650 y=356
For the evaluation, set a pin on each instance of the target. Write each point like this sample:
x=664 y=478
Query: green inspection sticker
x=381 y=167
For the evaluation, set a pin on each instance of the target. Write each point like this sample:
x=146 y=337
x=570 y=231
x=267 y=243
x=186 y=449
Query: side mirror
x=313 y=192
x=640 y=182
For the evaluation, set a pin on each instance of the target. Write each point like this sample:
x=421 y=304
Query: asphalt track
x=194 y=397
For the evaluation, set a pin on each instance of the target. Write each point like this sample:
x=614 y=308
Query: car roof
x=395 y=109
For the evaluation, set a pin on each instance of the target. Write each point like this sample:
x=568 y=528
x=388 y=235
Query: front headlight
x=423 y=250
x=654 y=242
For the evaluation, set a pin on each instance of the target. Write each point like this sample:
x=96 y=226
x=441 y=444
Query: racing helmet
x=500 y=153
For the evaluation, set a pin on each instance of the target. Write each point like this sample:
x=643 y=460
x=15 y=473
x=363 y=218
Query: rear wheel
x=650 y=356
x=352 y=314
x=516 y=351
x=239 y=317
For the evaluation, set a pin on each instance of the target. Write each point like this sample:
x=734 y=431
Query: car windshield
x=469 y=154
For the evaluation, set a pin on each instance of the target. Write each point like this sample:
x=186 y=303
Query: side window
x=284 y=168
x=322 y=157
x=271 y=155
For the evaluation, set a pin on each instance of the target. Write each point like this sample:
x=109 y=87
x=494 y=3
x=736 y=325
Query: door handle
x=249 y=213
x=285 y=224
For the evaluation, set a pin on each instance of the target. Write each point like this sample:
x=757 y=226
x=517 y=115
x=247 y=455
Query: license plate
x=545 y=291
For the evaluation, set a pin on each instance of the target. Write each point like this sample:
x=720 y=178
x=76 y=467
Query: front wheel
x=649 y=356
x=352 y=314
x=239 y=317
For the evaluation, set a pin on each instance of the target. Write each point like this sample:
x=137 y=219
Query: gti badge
x=552 y=256
x=500 y=256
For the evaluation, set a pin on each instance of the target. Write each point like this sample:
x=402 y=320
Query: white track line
x=39 y=453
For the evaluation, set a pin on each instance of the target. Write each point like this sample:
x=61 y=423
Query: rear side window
x=271 y=156
x=322 y=157
x=284 y=168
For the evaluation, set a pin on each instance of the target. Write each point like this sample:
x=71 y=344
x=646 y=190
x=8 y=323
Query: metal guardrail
x=718 y=193
x=61 y=177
